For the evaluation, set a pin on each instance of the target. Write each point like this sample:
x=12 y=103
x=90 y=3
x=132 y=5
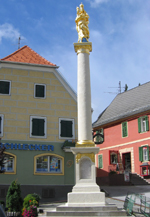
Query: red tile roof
x=27 y=55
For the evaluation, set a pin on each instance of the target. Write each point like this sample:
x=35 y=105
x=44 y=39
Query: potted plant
x=31 y=210
x=30 y=204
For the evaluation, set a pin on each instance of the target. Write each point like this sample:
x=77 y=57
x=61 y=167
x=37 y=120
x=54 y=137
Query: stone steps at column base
x=70 y=211
x=87 y=214
x=78 y=208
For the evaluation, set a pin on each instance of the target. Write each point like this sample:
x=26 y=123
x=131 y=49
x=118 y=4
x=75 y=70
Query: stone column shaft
x=84 y=98
x=84 y=95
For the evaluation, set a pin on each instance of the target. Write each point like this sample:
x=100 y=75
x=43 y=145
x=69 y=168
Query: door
x=126 y=157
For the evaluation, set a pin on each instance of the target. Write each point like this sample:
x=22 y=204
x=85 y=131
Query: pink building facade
x=126 y=137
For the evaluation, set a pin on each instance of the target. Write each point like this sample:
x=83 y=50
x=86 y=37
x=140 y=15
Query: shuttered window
x=143 y=124
x=1 y=125
x=100 y=161
x=124 y=129
x=40 y=90
x=66 y=128
x=5 y=87
x=38 y=127
x=144 y=153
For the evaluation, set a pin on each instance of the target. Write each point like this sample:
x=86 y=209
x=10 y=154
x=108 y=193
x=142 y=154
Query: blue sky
x=119 y=32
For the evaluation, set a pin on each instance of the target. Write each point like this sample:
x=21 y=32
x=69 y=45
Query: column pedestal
x=86 y=192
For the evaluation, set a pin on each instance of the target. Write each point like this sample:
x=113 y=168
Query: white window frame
x=1 y=124
x=145 y=156
x=143 y=124
x=6 y=164
x=115 y=158
x=45 y=126
x=9 y=87
x=73 y=129
x=44 y=91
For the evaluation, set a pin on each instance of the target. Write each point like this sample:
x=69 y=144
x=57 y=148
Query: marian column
x=86 y=199
x=86 y=192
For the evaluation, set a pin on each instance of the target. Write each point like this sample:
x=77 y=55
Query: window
x=124 y=129
x=100 y=161
x=113 y=157
x=38 y=126
x=143 y=124
x=1 y=124
x=9 y=163
x=48 y=164
x=144 y=153
x=5 y=87
x=145 y=171
x=66 y=128
x=40 y=91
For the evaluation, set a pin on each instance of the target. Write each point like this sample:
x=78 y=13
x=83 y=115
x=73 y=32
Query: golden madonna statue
x=82 y=21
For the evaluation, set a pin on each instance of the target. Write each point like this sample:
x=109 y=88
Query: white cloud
x=95 y=3
x=7 y=31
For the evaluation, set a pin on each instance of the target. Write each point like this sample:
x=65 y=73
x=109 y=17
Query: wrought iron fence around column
x=137 y=203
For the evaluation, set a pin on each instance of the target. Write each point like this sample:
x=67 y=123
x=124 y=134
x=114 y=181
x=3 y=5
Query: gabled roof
x=126 y=104
x=27 y=55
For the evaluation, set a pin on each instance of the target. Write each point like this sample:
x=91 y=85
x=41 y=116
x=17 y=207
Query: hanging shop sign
x=31 y=147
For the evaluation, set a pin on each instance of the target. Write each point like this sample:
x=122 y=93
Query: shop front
x=43 y=168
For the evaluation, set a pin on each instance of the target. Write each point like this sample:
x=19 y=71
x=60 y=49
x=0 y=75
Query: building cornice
x=27 y=65
x=125 y=144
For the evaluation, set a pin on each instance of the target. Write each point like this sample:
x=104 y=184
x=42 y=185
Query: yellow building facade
x=38 y=123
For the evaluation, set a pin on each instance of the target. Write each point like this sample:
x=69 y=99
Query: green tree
x=14 y=200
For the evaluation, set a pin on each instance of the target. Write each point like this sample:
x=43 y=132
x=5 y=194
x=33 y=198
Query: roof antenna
x=119 y=89
x=119 y=86
x=19 y=39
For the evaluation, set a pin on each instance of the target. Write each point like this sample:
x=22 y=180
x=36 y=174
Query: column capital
x=83 y=47
x=85 y=143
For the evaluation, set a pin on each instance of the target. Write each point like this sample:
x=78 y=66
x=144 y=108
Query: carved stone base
x=85 y=199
